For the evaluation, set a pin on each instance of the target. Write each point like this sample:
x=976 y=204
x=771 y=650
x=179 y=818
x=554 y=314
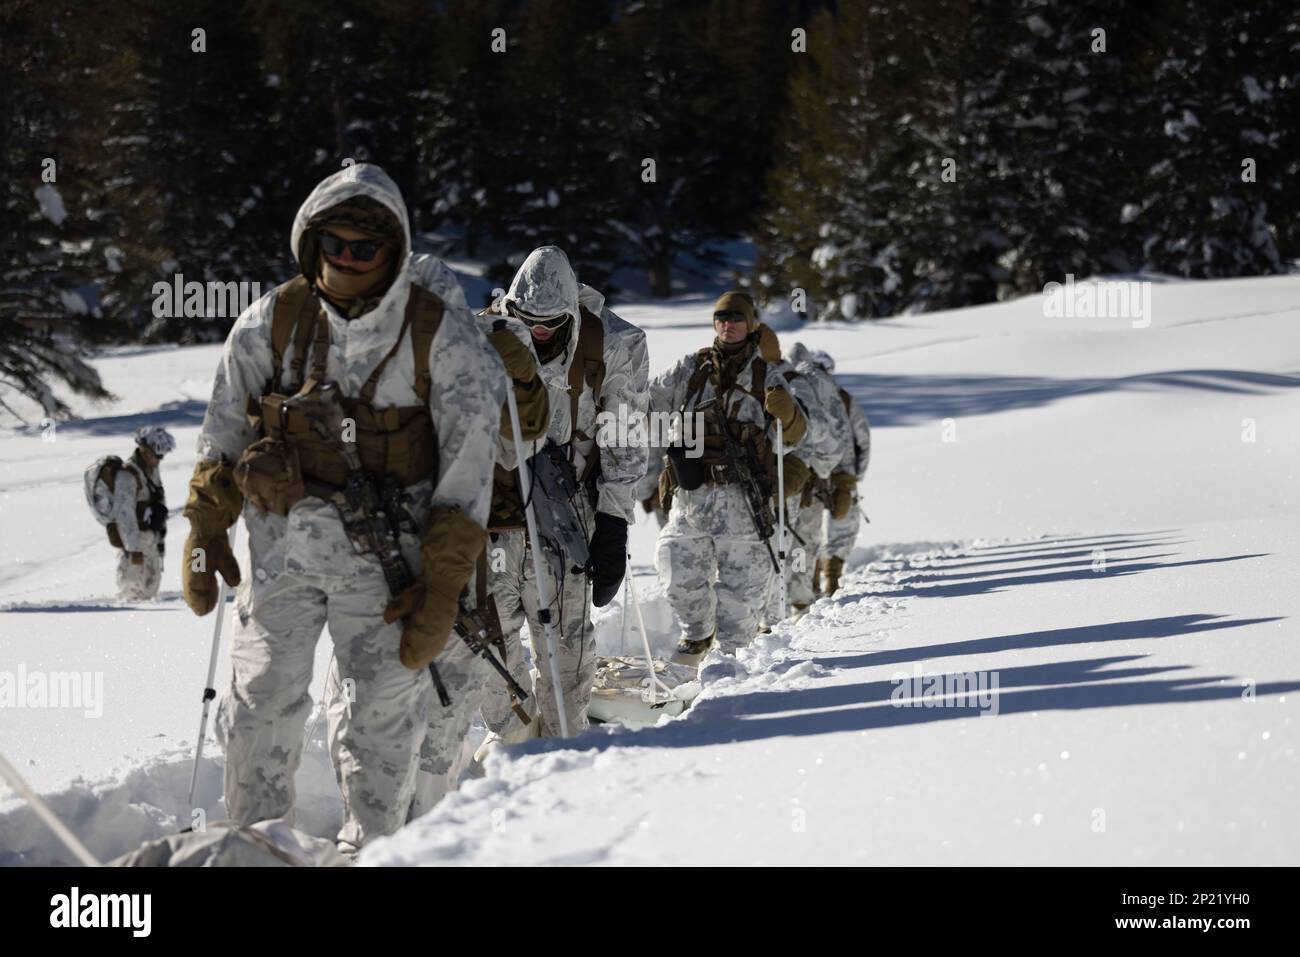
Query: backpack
x=99 y=480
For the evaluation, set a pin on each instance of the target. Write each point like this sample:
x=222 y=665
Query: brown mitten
x=213 y=506
x=781 y=405
x=448 y=552
x=843 y=485
x=796 y=475
x=666 y=487
x=769 y=347
x=534 y=405
x=517 y=357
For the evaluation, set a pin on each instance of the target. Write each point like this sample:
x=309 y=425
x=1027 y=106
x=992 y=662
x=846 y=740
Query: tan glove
x=769 y=347
x=843 y=485
x=516 y=356
x=781 y=405
x=667 y=485
x=530 y=395
x=534 y=405
x=796 y=474
x=137 y=558
x=213 y=506
x=448 y=552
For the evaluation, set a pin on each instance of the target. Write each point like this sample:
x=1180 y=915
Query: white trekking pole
x=653 y=680
x=209 y=692
x=780 y=509
x=45 y=814
x=543 y=586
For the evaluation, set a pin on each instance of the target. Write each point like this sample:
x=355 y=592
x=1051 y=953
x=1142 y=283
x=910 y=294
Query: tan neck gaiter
x=345 y=289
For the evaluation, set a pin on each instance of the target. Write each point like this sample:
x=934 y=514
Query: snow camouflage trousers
x=714 y=568
x=841 y=533
x=442 y=758
x=514 y=587
x=140 y=582
x=303 y=576
x=800 y=557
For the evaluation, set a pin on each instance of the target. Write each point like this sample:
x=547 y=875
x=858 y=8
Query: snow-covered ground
x=1096 y=523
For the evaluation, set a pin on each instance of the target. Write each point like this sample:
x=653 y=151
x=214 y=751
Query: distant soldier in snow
x=137 y=513
x=592 y=362
x=714 y=555
x=845 y=515
x=422 y=391
x=809 y=494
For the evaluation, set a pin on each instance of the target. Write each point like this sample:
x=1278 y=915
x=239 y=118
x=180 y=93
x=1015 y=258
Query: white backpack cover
x=99 y=480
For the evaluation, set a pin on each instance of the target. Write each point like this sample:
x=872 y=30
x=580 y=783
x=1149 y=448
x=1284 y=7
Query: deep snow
x=1108 y=513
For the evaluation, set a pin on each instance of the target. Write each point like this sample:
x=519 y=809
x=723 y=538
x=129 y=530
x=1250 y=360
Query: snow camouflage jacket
x=465 y=398
x=836 y=446
x=858 y=454
x=668 y=394
x=133 y=500
x=545 y=285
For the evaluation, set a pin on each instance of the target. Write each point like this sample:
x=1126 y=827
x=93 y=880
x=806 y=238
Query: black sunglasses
x=730 y=316
x=546 y=322
x=363 y=250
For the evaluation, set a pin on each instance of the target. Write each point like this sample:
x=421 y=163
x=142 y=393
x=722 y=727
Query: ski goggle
x=363 y=250
x=530 y=320
x=730 y=316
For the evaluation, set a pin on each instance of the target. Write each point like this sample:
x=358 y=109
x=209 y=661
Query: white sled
x=624 y=694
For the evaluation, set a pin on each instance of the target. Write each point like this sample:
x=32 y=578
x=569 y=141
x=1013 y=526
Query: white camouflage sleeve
x=244 y=370
x=861 y=436
x=434 y=275
x=665 y=394
x=624 y=394
x=125 y=490
x=469 y=387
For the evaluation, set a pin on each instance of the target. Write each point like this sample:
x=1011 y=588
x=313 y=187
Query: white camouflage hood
x=362 y=179
x=545 y=285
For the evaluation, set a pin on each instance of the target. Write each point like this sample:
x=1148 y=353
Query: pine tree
x=1212 y=93
x=49 y=312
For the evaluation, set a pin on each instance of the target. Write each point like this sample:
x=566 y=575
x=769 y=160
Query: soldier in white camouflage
x=808 y=488
x=422 y=390
x=595 y=367
x=442 y=753
x=715 y=565
x=845 y=514
x=139 y=513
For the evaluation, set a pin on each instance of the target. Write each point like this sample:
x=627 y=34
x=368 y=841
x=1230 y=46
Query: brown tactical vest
x=400 y=440
x=747 y=433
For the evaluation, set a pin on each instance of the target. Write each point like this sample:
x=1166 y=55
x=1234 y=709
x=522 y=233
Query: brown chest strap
x=298 y=316
x=706 y=369
x=588 y=366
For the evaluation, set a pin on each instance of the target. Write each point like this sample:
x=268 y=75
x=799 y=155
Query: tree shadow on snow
x=1135 y=630
x=1073 y=541
x=953 y=575
x=173 y=415
x=902 y=400
x=870 y=705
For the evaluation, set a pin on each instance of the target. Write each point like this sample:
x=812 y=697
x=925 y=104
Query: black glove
x=608 y=558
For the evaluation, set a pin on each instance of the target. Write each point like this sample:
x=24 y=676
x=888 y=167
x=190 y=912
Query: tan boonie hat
x=737 y=301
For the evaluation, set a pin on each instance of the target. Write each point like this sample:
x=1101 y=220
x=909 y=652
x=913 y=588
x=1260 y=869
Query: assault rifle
x=553 y=490
x=374 y=513
x=743 y=467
